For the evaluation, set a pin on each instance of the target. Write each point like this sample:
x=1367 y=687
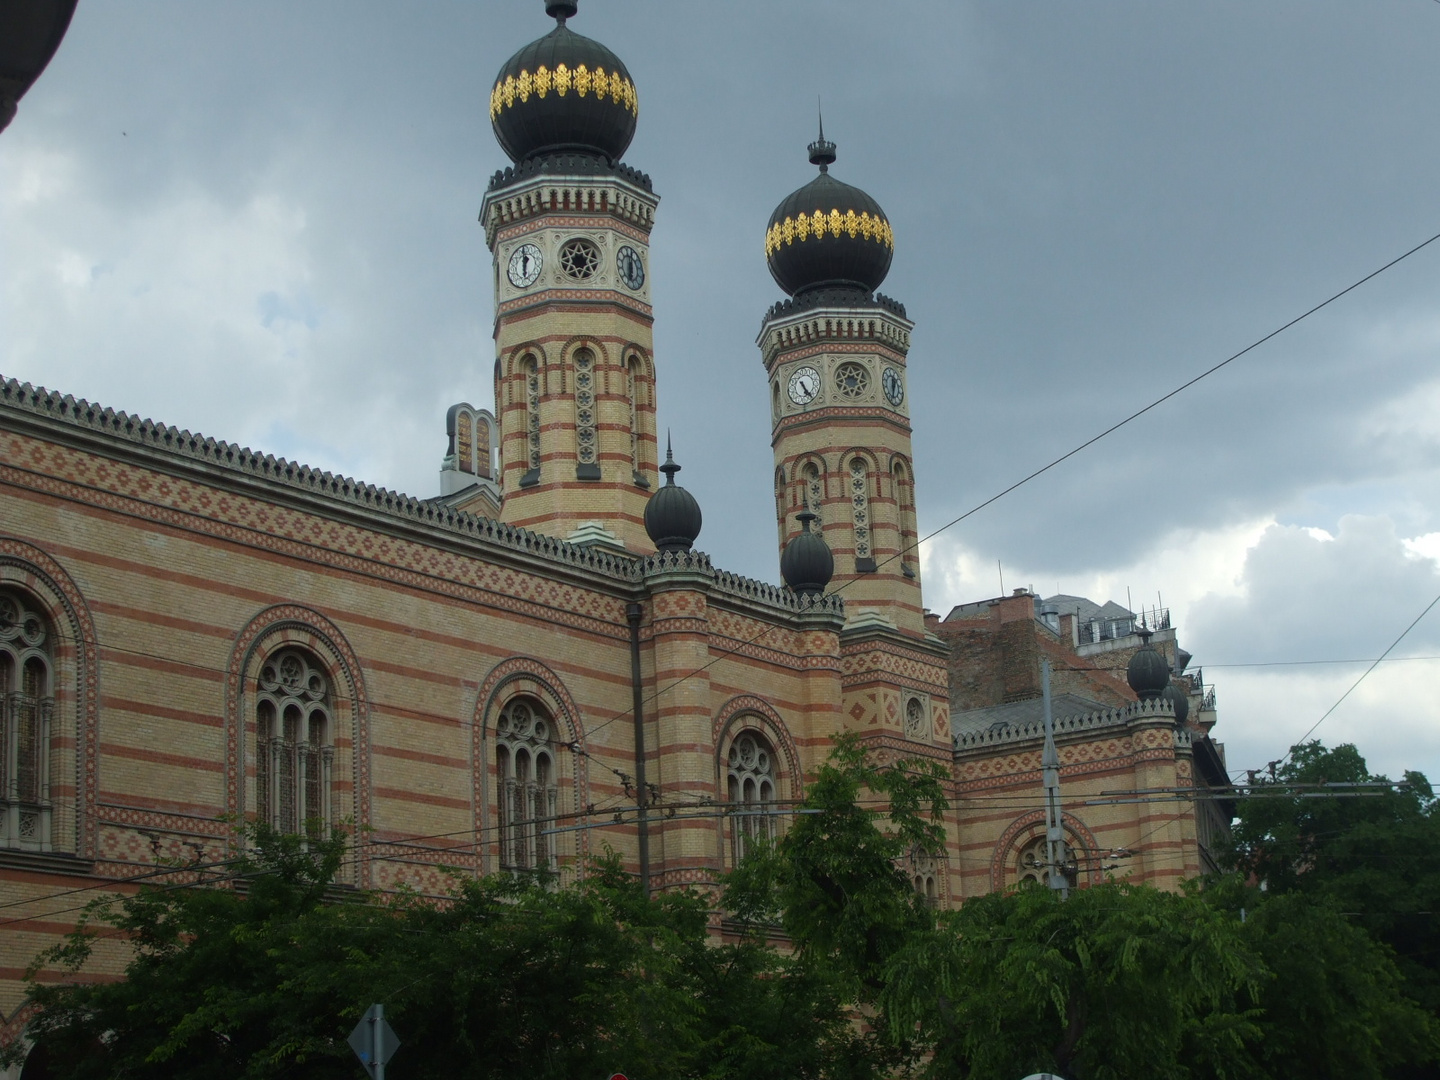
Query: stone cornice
x=786 y=329
x=521 y=194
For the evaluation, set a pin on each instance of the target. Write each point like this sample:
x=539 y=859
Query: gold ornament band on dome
x=820 y=224
x=562 y=80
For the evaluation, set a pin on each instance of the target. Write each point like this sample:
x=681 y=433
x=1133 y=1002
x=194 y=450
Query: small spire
x=669 y=468
x=806 y=515
x=822 y=151
x=560 y=10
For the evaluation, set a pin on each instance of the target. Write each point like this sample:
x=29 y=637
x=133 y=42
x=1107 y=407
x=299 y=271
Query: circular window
x=852 y=381
x=579 y=258
x=914 y=718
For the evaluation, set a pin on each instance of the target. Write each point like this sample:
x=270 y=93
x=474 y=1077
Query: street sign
x=374 y=1041
x=618 y=1076
x=1043 y=1076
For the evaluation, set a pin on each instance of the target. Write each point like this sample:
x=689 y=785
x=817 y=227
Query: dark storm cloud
x=1092 y=203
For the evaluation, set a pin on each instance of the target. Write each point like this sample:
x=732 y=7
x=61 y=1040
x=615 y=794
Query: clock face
x=804 y=385
x=629 y=266
x=524 y=266
x=894 y=388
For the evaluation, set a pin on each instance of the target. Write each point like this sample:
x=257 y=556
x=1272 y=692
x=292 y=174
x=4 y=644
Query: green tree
x=1118 y=981
x=1332 y=1004
x=265 y=977
x=1375 y=856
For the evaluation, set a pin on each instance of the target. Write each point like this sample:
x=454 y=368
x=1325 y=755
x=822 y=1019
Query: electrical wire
x=1061 y=459
x=1361 y=679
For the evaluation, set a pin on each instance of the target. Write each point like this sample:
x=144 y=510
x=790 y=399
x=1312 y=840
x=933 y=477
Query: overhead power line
x=1361 y=679
x=1056 y=461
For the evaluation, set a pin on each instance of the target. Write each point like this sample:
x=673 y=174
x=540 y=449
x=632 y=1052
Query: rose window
x=579 y=259
x=852 y=381
x=914 y=718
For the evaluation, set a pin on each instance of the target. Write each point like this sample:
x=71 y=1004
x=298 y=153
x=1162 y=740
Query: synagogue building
x=537 y=661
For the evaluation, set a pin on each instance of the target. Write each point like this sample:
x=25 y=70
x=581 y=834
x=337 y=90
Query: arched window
x=860 y=512
x=530 y=367
x=294 y=749
x=632 y=394
x=905 y=502
x=585 y=437
x=813 y=491
x=26 y=708
x=1032 y=862
x=483 y=464
x=526 y=785
x=915 y=725
x=924 y=872
x=751 y=789
x=781 y=515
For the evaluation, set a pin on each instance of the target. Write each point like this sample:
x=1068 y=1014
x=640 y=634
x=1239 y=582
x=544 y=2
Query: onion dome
x=672 y=516
x=828 y=234
x=563 y=94
x=1179 y=699
x=806 y=564
x=1148 y=673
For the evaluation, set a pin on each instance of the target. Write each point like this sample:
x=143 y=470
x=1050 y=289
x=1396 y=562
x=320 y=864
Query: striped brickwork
x=567 y=455
x=879 y=572
x=1103 y=756
x=172 y=566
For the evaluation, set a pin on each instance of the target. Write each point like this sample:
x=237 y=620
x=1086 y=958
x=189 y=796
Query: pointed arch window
x=294 y=744
x=527 y=789
x=26 y=710
x=750 y=777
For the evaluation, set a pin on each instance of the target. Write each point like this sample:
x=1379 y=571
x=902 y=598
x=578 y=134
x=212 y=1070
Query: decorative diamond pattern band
x=562 y=80
x=820 y=224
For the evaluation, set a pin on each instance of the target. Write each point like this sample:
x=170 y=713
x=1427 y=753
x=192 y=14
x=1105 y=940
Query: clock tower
x=568 y=227
x=835 y=354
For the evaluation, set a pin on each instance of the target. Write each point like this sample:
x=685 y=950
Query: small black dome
x=806 y=564
x=1148 y=673
x=672 y=516
x=828 y=234
x=563 y=94
x=1177 y=697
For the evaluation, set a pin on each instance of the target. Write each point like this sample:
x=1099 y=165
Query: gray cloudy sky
x=258 y=221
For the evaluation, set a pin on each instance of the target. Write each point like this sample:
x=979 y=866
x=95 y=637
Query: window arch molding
x=74 y=677
x=748 y=712
x=512 y=679
x=267 y=634
x=811 y=484
x=1025 y=829
x=741 y=715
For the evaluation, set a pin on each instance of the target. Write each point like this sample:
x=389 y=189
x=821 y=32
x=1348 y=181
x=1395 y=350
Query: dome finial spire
x=669 y=468
x=822 y=151
x=560 y=10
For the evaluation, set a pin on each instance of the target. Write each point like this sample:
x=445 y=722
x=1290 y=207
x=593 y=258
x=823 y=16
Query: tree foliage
x=1118 y=981
x=506 y=978
x=1375 y=856
x=832 y=967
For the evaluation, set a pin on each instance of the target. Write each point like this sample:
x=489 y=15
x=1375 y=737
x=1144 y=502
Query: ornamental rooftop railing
x=1001 y=733
x=432 y=514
